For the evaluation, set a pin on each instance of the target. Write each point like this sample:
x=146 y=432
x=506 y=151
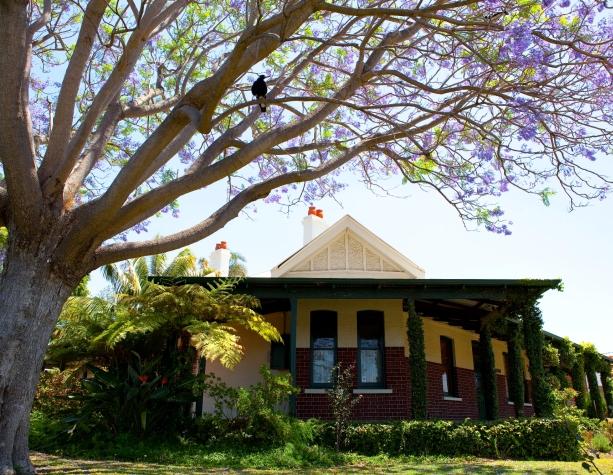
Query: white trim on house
x=392 y=264
x=373 y=391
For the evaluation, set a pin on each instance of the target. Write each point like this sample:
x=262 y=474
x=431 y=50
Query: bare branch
x=117 y=252
x=64 y=111
x=42 y=20
x=16 y=137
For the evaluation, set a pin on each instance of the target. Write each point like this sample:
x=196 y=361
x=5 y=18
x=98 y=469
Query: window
x=450 y=380
x=279 y=353
x=323 y=346
x=370 y=348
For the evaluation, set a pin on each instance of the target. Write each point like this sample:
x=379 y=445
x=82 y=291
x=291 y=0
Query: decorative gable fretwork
x=348 y=254
x=347 y=249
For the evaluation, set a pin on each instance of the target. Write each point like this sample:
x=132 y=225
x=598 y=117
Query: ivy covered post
x=488 y=373
x=417 y=362
x=592 y=359
x=571 y=360
x=516 y=369
x=607 y=386
x=532 y=321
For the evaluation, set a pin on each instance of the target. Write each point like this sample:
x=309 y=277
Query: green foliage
x=592 y=362
x=551 y=355
x=342 y=402
x=607 y=387
x=417 y=363
x=601 y=443
x=138 y=398
x=82 y=290
x=578 y=377
x=533 y=343
x=550 y=439
x=251 y=415
x=564 y=405
x=210 y=316
x=516 y=370
x=53 y=391
x=4 y=237
x=237 y=266
x=488 y=373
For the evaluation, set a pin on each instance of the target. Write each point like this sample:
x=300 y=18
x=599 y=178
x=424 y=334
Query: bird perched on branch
x=259 y=90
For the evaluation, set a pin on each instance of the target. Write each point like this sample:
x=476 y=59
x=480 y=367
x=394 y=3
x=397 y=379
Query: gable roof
x=348 y=249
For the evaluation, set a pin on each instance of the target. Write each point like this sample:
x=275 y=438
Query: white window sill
x=451 y=398
x=511 y=403
x=315 y=391
x=372 y=391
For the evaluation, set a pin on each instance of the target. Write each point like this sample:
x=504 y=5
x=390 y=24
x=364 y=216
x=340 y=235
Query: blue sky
x=547 y=242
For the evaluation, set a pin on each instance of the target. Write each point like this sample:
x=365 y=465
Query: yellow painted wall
x=462 y=345
x=394 y=320
x=256 y=353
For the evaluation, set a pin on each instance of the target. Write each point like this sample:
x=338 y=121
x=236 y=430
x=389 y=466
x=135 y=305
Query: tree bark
x=31 y=298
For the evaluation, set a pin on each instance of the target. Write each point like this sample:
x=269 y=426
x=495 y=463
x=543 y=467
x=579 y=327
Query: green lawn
x=50 y=464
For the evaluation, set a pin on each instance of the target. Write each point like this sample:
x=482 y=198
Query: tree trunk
x=31 y=298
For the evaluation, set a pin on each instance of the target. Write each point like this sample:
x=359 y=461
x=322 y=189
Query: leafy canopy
x=468 y=98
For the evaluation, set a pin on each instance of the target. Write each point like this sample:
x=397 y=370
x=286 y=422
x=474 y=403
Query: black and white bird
x=259 y=90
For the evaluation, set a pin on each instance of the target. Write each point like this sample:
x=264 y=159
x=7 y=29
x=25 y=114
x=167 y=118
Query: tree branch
x=252 y=47
x=118 y=252
x=42 y=20
x=64 y=111
x=16 y=138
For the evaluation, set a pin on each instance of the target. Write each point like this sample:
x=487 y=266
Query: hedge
x=527 y=439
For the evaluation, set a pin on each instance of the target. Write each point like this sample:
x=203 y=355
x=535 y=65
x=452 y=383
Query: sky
x=547 y=242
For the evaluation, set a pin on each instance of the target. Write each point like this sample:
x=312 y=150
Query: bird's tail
x=262 y=103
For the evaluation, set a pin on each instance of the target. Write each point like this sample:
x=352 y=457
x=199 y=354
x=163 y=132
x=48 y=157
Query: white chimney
x=313 y=224
x=220 y=259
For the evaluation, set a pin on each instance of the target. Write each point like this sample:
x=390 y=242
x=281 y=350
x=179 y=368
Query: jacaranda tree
x=111 y=110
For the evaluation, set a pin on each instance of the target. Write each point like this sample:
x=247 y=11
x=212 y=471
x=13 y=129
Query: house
x=345 y=297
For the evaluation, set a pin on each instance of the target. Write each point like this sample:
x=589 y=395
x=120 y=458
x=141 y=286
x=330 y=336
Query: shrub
x=601 y=443
x=252 y=415
x=342 y=402
x=53 y=391
x=551 y=439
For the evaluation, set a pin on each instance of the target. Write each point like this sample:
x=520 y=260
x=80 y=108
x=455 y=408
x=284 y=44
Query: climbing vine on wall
x=533 y=342
x=488 y=373
x=593 y=363
x=417 y=363
x=607 y=387
x=516 y=369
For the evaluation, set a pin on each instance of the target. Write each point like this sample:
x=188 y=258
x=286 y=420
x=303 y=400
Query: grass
x=350 y=463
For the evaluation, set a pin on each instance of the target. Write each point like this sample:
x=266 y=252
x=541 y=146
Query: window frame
x=382 y=383
x=334 y=350
x=452 y=379
x=285 y=347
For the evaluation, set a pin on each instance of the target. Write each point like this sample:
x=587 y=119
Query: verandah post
x=516 y=370
x=292 y=351
x=533 y=343
x=488 y=373
x=417 y=362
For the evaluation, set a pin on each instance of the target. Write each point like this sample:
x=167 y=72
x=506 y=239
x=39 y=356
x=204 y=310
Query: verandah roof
x=460 y=302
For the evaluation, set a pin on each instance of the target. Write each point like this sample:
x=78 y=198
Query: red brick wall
x=439 y=408
x=371 y=406
x=397 y=405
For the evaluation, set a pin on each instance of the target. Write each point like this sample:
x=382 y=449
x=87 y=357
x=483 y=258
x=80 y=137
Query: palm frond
x=185 y=264
x=157 y=264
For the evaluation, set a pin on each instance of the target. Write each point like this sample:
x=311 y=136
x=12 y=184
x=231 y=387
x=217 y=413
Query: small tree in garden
x=342 y=401
x=111 y=111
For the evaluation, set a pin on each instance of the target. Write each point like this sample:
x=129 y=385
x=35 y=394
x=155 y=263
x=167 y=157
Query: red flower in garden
x=143 y=378
x=164 y=381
